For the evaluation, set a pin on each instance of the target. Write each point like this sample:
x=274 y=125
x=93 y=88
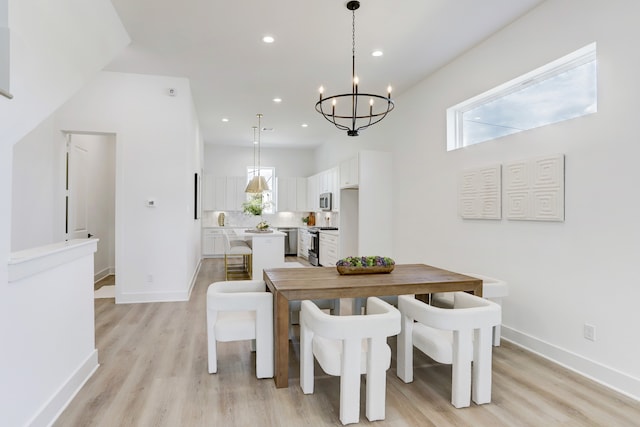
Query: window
x=561 y=90
x=267 y=196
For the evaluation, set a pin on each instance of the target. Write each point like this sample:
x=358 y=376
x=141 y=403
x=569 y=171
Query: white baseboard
x=103 y=273
x=52 y=409
x=194 y=277
x=605 y=375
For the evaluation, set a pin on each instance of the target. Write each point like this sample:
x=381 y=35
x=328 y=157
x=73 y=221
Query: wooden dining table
x=291 y=284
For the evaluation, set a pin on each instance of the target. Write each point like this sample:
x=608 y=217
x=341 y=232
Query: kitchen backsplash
x=281 y=219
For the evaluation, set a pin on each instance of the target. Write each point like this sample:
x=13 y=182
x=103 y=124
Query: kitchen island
x=267 y=248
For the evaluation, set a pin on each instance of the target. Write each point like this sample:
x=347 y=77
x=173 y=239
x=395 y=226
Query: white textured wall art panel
x=479 y=193
x=534 y=189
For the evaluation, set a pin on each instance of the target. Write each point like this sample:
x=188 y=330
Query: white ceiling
x=217 y=46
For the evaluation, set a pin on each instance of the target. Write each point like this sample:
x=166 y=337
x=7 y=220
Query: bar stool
x=237 y=248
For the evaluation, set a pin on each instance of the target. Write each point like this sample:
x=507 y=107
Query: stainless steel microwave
x=325 y=201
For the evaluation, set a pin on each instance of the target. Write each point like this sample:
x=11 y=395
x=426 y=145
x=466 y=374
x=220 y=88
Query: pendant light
x=357 y=111
x=257 y=184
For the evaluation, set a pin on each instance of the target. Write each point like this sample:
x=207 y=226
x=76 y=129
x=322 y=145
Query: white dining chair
x=492 y=289
x=457 y=337
x=237 y=311
x=348 y=346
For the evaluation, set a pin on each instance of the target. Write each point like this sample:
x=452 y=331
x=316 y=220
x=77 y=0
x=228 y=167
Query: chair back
x=238 y=295
x=470 y=312
x=382 y=320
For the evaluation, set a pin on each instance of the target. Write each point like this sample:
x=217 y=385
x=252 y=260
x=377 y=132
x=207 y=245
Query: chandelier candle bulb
x=388 y=91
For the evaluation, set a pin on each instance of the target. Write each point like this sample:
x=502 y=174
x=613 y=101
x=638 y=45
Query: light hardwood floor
x=153 y=372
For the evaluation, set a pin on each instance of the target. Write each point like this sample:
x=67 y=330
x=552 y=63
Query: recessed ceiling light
x=304 y=125
x=377 y=53
x=224 y=119
x=277 y=99
x=268 y=39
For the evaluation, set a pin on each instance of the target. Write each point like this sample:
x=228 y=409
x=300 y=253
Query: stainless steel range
x=314 y=246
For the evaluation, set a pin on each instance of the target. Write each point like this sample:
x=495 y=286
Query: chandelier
x=359 y=110
x=257 y=184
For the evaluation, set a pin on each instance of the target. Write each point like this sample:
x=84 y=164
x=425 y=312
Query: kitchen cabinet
x=291 y=194
x=208 y=192
x=304 y=241
x=328 y=249
x=301 y=195
x=212 y=242
x=223 y=193
x=350 y=173
x=312 y=193
x=235 y=195
x=328 y=180
x=323 y=182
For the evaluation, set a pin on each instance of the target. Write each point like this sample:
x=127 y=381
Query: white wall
x=156 y=155
x=38 y=180
x=53 y=53
x=562 y=274
x=222 y=160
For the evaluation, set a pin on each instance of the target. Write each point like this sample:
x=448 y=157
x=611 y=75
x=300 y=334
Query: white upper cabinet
x=223 y=193
x=208 y=192
x=350 y=173
x=292 y=194
x=301 y=195
x=323 y=182
x=313 y=194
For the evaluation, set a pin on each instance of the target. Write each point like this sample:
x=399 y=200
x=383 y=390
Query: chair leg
x=356 y=306
x=461 y=369
x=335 y=310
x=350 y=381
x=496 y=329
x=264 y=344
x=496 y=335
x=211 y=342
x=404 y=368
x=306 y=359
x=226 y=268
x=481 y=383
x=376 y=386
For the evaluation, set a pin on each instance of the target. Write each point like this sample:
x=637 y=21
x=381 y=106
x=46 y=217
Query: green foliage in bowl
x=365 y=261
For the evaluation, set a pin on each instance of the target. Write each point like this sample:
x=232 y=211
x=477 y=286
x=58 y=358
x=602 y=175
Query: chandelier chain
x=353 y=34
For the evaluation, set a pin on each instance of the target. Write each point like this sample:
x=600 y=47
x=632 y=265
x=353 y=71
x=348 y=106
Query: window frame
x=271 y=194
x=455 y=133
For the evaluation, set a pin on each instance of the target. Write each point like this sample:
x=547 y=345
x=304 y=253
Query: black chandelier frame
x=358 y=119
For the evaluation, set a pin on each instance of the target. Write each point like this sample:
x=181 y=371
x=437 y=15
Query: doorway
x=90 y=200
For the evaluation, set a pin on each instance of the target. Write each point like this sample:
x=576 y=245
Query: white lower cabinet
x=304 y=240
x=212 y=242
x=328 y=249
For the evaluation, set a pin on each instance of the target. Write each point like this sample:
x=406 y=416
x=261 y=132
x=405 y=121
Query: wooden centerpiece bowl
x=365 y=265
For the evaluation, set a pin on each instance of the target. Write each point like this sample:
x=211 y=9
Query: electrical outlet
x=589 y=332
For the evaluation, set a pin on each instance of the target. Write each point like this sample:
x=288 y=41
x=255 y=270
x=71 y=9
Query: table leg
x=281 y=338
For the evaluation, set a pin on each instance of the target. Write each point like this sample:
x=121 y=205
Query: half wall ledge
x=32 y=261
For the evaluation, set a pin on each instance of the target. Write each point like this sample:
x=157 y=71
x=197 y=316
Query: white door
x=77 y=191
